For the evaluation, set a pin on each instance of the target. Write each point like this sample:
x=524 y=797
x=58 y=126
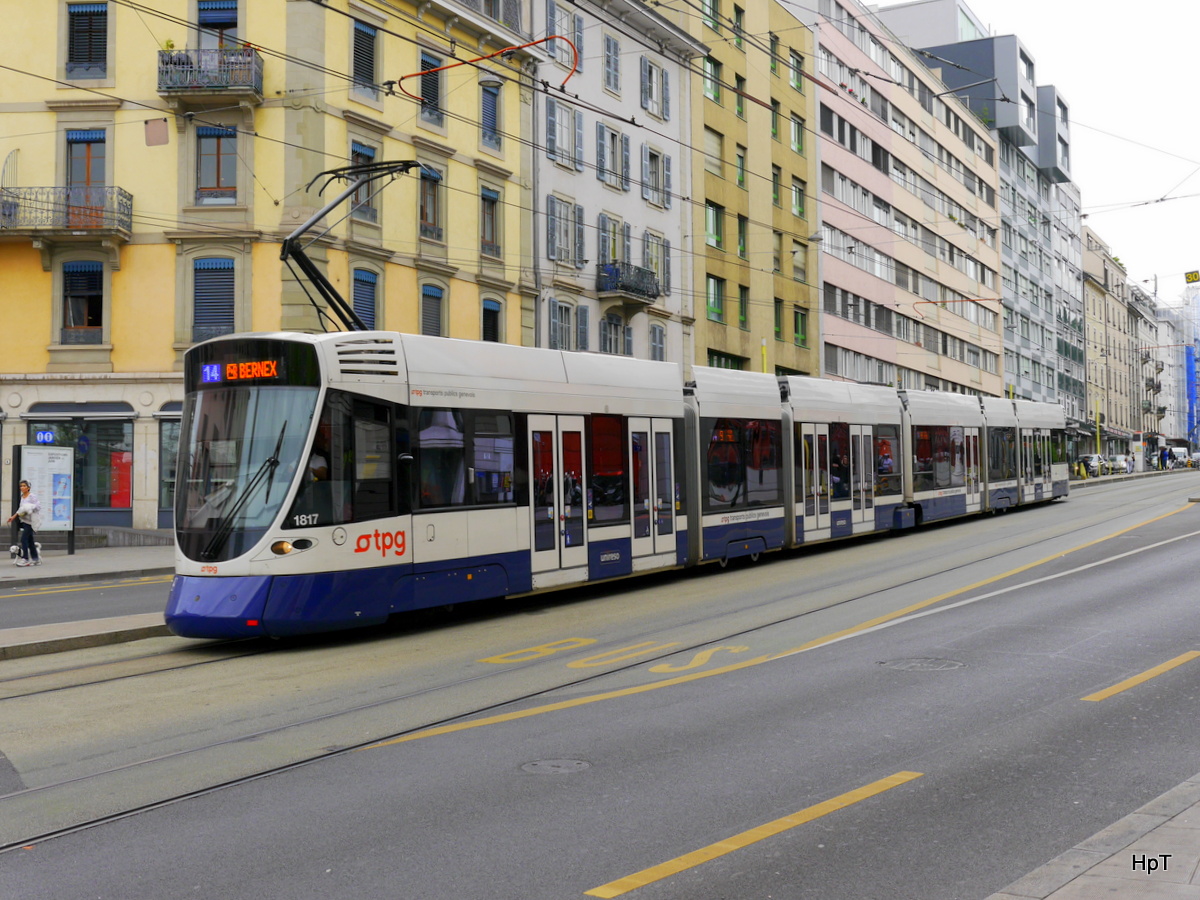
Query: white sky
x=1130 y=74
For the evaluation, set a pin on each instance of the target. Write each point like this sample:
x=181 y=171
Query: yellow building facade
x=153 y=165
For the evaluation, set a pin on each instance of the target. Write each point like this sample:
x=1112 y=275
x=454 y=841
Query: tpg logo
x=383 y=542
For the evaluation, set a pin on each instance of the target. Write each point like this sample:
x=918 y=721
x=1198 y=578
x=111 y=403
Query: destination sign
x=216 y=373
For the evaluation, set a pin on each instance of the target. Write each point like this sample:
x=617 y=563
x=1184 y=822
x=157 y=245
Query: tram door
x=558 y=492
x=814 y=468
x=652 y=474
x=862 y=479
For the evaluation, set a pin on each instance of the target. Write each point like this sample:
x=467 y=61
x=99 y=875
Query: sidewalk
x=97 y=564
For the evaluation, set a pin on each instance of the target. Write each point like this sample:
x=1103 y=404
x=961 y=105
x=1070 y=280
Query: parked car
x=1095 y=464
x=1118 y=463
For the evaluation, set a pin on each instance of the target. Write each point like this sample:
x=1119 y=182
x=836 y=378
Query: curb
x=82 y=641
x=16 y=581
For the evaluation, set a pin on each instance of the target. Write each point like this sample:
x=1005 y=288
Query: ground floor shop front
x=123 y=429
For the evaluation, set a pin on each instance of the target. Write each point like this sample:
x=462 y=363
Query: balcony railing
x=627 y=279
x=73 y=209
x=185 y=71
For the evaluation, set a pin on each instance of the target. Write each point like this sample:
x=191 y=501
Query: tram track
x=1128 y=515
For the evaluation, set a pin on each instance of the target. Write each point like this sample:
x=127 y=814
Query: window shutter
x=579 y=140
x=364 y=296
x=579 y=43
x=645 y=171
x=221 y=13
x=431 y=85
x=666 y=95
x=666 y=267
x=602 y=227
x=627 y=244
x=551 y=227
x=581 y=328
x=667 y=182
x=551 y=129
x=551 y=24
x=489 y=107
x=624 y=162
x=629 y=340
x=212 y=297
x=645 y=83
x=87 y=39
x=431 y=310
x=552 y=330
x=364 y=55
x=580 y=260
x=645 y=249
x=491 y=321
x=601 y=156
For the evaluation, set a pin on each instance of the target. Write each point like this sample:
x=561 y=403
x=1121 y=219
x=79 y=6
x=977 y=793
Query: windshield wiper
x=225 y=527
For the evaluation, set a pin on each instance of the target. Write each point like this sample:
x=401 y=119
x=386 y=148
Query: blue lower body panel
x=218 y=607
x=1002 y=498
x=934 y=508
x=742 y=538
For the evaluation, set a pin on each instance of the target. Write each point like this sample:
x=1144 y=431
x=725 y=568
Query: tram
x=331 y=481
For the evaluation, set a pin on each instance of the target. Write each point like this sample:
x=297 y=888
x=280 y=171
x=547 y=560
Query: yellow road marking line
x=696 y=676
x=1145 y=676
x=746 y=838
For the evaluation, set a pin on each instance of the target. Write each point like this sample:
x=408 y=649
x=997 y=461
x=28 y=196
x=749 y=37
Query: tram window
x=887 y=471
x=1002 y=453
x=441 y=458
x=839 y=460
x=373 y=461
x=923 y=478
x=608 y=502
x=742 y=463
x=492 y=455
x=958 y=457
x=1058 y=445
x=351 y=467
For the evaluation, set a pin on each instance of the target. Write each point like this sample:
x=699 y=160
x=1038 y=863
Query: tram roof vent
x=368 y=356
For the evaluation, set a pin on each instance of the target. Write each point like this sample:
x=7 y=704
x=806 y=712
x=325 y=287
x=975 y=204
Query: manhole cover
x=923 y=665
x=556 y=766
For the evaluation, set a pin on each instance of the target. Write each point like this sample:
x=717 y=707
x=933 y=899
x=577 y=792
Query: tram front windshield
x=239 y=451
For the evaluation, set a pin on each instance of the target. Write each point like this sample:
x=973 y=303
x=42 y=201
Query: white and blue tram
x=331 y=481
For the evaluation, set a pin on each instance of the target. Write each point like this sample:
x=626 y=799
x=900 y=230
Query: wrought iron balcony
x=67 y=211
x=202 y=74
x=1153 y=386
x=624 y=278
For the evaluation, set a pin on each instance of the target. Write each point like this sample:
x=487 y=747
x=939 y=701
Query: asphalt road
x=928 y=716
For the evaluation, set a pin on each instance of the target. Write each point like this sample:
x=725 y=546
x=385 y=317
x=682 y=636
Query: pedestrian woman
x=28 y=516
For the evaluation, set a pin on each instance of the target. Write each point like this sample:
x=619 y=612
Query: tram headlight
x=282 y=548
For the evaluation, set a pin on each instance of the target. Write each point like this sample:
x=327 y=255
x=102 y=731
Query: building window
x=213 y=297
x=83 y=303
x=658 y=342
x=564 y=134
x=711 y=11
x=656 y=177
x=432 y=297
x=777 y=251
x=363 y=62
x=489 y=222
x=797 y=134
x=800 y=326
x=87 y=40
x=715 y=294
x=739 y=96
x=799 y=261
x=491 y=323
x=743 y=227
x=615 y=336
x=714 y=224
x=560 y=20
x=739 y=26
x=775 y=119
x=719 y=360
x=431 y=204
x=612 y=64
x=774 y=38
x=364 y=298
x=778 y=319
x=568 y=326
x=743 y=307
x=363 y=205
x=431 y=89
x=216 y=166
x=711 y=79
x=564 y=231
x=218 y=22
x=740 y=165
x=797 y=71
x=776 y=185
x=613 y=238
x=798 y=191
x=656 y=256
x=86 y=177
x=656 y=89
x=612 y=157
x=489 y=116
